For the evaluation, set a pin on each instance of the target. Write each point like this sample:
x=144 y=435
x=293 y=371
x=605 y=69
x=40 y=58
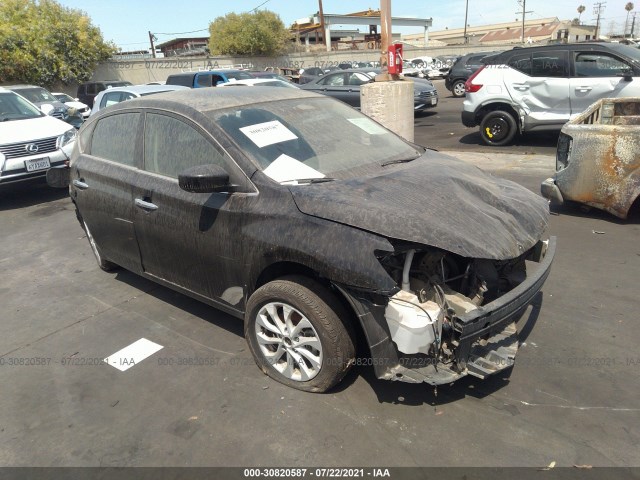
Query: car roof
x=565 y=46
x=106 y=81
x=141 y=89
x=210 y=99
x=23 y=85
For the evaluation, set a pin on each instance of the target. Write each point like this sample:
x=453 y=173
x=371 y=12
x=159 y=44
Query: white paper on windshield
x=268 y=133
x=288 y=169
x=368 y=125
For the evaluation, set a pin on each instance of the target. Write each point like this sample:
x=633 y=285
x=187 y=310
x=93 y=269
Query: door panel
x=102 y=187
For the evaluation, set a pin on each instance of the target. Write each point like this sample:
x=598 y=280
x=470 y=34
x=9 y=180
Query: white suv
x=542 y=88
x=30 y=141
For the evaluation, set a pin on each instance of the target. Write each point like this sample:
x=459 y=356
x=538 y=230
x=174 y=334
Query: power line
x=263 y=3
x=183 y=33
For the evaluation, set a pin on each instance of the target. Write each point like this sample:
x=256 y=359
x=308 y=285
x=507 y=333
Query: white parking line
x=133 y=354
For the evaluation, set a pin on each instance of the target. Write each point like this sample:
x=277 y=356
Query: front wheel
x=498 y=128
x=298 y=335
x=458 y=89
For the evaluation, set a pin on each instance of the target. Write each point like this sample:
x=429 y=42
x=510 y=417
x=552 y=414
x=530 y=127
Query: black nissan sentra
x=316 y=226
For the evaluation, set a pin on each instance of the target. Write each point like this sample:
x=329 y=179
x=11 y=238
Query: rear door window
x=551 y=63
x=521 y=63
x=115 y=137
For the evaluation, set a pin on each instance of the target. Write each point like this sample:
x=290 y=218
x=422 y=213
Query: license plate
x=434 y=101
x=37 y=164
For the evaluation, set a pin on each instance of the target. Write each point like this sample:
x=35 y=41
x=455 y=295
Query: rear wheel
x=458 y=88
x=297 y=334
x=498 y=128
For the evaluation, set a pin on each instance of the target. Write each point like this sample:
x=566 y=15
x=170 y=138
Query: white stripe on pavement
x=133 y=354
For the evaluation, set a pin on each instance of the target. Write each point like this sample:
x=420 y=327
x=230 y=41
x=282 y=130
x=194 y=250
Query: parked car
x=87 y=91
x=210 y=78
x=345 y=85
x=48 y=104
x=30 y=141
x=260 y=82
x=597 y=158
x=541 y=88
x=261 y=74
x=111 y=96
x=308 y=74
x=317 y=230
x=462 y=69
x=82 y=108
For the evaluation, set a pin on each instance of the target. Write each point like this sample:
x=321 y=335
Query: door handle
x=520 y=87
x=148 y=206
x=80 y=184
x=583 y=89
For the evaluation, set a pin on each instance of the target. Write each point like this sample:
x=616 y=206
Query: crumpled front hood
x=435 y=200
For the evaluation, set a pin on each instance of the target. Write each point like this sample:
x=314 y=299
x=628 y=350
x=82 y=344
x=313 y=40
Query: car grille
x=16 y=150
x=428 y=94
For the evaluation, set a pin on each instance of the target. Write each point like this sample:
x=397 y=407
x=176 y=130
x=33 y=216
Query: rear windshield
x=238 y=75
x=36 y=95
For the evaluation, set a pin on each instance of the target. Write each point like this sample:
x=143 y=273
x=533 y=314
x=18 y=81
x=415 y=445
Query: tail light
x=469 y=86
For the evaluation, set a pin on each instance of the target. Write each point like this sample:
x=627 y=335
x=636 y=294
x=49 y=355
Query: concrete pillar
x=391 y=104
x=327 y=36
x=426 y=36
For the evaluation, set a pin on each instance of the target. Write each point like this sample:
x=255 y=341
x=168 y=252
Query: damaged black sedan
x=316 y=226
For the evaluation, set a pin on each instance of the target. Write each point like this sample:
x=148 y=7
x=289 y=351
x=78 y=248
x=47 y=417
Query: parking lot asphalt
x=572 y=397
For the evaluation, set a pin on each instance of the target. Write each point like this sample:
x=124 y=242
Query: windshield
x=310 y=138
x=14 y=107
x=36 y=95
x=275 y=83
x=63 y=97
x=631 y=52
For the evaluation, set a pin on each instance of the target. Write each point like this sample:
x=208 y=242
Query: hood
x=435 y=200
x=16 y=131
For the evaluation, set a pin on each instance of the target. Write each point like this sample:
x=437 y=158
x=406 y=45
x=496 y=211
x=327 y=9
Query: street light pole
x=466 y=14
x=385 y=33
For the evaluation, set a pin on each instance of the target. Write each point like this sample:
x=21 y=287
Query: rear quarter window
x=549 y=64
x=521 y=63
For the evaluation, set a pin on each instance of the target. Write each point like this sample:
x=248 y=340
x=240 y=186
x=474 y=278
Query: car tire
x=315 y=349
x=498 y=128
x=105 y=265
x=458 y=88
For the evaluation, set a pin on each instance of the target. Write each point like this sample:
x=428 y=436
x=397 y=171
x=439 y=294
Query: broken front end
x=449 y=316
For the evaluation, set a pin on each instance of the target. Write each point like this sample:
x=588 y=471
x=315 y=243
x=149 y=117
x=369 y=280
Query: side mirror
x=76 y=99
x=58 y=177
x=627 y=74
x=205 y=179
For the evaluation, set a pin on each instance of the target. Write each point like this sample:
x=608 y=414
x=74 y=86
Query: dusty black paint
x=216 y=246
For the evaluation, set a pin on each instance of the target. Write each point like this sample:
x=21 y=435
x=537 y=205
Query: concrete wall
x=145 y=71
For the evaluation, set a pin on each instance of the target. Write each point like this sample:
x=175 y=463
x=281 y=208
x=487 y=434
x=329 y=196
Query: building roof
x=176 y=41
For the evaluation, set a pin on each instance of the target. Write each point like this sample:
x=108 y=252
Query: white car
x=30 y=141
x=114 y=95
x=541 y=88
x=82 y=108
x=259 y=82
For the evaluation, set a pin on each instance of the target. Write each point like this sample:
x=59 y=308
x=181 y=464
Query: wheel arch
x=483 y=110
x=282 y=269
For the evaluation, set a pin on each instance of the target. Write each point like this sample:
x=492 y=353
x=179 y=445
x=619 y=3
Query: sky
x=126 y=22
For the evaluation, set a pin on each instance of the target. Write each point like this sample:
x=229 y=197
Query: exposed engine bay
x=436 y=286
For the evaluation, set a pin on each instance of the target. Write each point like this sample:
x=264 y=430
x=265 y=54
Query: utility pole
x=597 y=10
x=633 y=24
x=524 y=13
x=321 y=13
x=152 y=38
x=466 y=14
x=386 y=35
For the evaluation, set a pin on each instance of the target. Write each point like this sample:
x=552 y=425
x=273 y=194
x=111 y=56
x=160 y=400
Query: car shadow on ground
x=542 y=139
x=183 y=302
x=577 y=210
x=386 y=391
x=28 y=194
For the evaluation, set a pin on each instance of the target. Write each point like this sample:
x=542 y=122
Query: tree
x=581 y=9
x=43 y=42
x=628 y=7
x=259 y=33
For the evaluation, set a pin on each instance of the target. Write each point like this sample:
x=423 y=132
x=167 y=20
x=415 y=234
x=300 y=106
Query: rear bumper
x=468 y=118
x=487 y=340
